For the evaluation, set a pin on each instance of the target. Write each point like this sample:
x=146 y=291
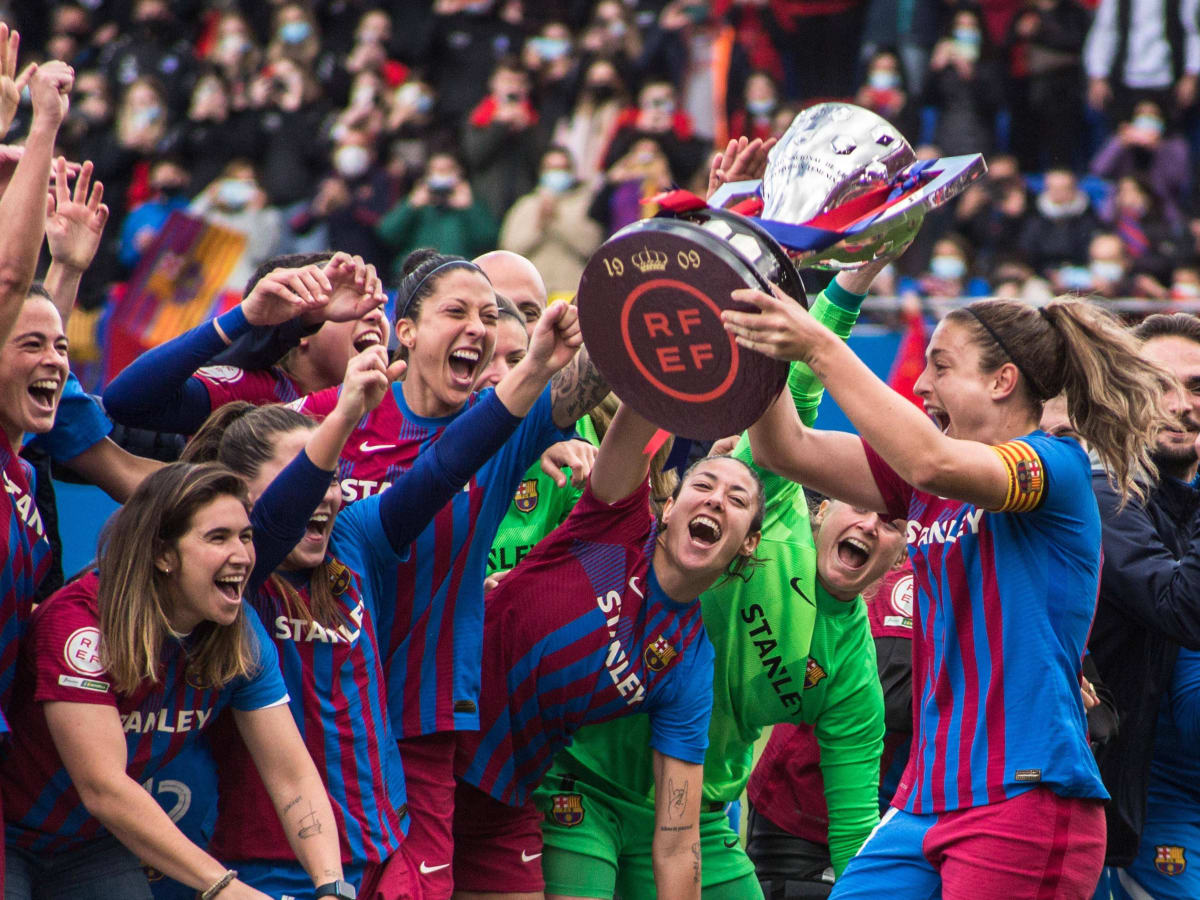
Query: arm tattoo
x=287 y=809
x=576 y=389
x=313 y=828
x=676 y=799
x=696 y=863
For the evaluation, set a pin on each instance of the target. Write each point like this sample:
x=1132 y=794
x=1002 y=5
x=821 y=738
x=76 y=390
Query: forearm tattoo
x=576 y=390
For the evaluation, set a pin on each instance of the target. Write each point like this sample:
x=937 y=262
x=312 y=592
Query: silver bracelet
x=219 y=885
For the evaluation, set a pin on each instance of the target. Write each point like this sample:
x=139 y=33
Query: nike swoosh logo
x=527 y=857
x=427 y=870
x=730 y=843
x=367 y=448
x=796 y=587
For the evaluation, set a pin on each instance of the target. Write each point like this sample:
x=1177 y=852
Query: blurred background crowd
x=539 y=125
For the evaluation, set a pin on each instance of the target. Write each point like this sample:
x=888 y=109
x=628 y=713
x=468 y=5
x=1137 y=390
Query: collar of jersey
x=435 y=422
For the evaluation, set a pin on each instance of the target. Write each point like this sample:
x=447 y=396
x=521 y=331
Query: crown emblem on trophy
x=650 y=260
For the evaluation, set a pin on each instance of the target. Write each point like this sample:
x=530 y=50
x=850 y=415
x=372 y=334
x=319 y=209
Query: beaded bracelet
x=219 y=885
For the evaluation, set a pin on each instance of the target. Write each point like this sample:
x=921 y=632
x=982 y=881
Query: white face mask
x=1107 y=270
x=234 y=193
x=351 y=161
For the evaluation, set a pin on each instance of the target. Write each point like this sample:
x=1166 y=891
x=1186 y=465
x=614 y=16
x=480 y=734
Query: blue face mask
x=760 y=107
x=441 y=183
x=294 y=32
x=1148 y=123
x=550 y=48
x=557 y=181
x=968 y=37
x=234 y=193
x=883 y=80
x=949 y=268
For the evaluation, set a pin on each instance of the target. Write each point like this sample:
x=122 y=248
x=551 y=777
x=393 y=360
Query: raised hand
x=75 y=221
x=50 y=89
x=782 y=328
x=741 y=160
x=556 y=338
x=576 y=455
x=355 y=290
x=283 y=294
x=368 y=377
x=11 y=84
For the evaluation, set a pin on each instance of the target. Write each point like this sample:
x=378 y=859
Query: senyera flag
x=176 y=286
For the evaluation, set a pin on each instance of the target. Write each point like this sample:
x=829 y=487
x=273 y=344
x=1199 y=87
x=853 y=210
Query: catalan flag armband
x=1026 y=477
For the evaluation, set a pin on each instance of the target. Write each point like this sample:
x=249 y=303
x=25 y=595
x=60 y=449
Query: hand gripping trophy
x=841 y=188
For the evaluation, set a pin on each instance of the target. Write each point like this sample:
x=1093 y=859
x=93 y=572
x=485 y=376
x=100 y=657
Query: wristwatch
x=342 y=890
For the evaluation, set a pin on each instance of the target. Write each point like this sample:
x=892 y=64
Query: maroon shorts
x=497 y=848
x=429 y=777
x=393 y=879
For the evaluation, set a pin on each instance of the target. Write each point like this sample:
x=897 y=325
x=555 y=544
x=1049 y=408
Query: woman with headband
x=1001 y=797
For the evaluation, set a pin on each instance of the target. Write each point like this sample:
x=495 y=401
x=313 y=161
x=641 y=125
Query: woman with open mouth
x=322 y=606
x=600 y=620
x=1004 y=536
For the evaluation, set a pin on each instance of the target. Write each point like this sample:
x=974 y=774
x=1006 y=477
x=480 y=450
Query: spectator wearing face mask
x=441 y=211
x=1108 y=274
x=214 y=134
x=236 y=55
x=1153 y=243
x=643 y=171
x=236 y=200
x=949 y=274
x=966 y=85
x=1144 y=147
x=884 y=92
x=467 y=41
x=658 y=117
x=155 y=45
x=553 y=65
x=585 y=132
x=761 y=100
x=352 y=199
x=1185 y=283
x=500 y=141
x=1061 y=225
x=550 y=226
x=168 y=187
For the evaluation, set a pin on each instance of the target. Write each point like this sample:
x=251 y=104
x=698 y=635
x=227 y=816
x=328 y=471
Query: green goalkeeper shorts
x=598 y=845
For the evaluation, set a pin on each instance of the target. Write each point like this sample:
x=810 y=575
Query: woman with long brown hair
x=1001 y=797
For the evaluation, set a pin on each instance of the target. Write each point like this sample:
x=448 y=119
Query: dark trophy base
x=650 y=303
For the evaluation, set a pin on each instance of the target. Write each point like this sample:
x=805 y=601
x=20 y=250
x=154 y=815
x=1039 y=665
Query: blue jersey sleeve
x=679 y=717
x=265 y=687
x=1052 y=477
x=156 y=390
x=536 y=433
x=1184 y=696
x=79 y=424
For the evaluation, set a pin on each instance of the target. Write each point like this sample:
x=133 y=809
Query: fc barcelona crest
x=659 y=654
x=1169 y=860
x=813 y=674
x=526 y=497
x=567 y=809
x=339 y=577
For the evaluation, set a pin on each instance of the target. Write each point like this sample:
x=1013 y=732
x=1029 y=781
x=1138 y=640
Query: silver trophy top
x=831 y=153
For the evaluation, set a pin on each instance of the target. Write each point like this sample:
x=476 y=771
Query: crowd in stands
x=539 y=126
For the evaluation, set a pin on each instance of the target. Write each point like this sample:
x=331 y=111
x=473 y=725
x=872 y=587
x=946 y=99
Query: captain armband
x=1026 y=477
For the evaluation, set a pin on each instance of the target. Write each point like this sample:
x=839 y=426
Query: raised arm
x=577 y=389
x=157 y=389
x=899 y=432
x=75 y=223
x=23 y=205
x=622 y=464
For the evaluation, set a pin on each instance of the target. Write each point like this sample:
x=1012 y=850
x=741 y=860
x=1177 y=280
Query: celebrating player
x=124 y=669
x=1002 y=796
x=761 y=624
x=601 y=620
x=322 y=608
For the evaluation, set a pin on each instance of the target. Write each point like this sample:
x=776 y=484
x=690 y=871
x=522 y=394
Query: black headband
x=416 y=290
x=1039 y=392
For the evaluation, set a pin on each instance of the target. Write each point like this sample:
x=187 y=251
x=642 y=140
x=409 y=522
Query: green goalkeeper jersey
x=785 y=652
x=538 y=507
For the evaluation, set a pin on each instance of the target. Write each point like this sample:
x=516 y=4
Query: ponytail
x=1114 y=395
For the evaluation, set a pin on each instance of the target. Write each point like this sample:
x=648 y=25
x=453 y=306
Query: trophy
x=841 y=188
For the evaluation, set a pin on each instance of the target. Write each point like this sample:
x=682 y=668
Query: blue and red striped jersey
x=61 y=661
x=1004 y=604
x=225 y=384
x=338 y=693
x=26 y=562
x=580 y=632
x=431 y=635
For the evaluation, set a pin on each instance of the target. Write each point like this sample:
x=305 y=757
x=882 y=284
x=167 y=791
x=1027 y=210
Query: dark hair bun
x=414 y=259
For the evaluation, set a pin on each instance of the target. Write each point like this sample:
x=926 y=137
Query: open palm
x=75 y=220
